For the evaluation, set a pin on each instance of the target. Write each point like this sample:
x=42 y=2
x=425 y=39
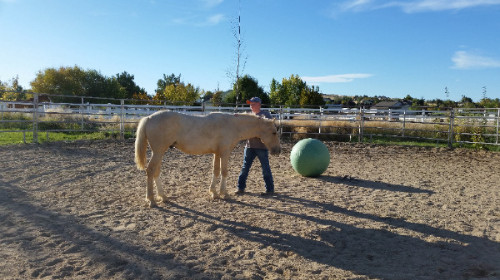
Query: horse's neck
x=250 y=127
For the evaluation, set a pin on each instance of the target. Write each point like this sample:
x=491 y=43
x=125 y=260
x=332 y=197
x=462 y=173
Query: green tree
x=293 y=88
x=489 y=103
x=74 y=81
x=347 y=101
x=247 y=87
x=12 y=91
x=64 y=81
x=127 y=82
x=142 y=96
x=447 y=104
x=417 y=103
x=207 y=96
x=166 y=81
x=177 y=92
x=294 y=91
x=277 y=93
x=466 y=102
x=311 y=96
x=217 y=98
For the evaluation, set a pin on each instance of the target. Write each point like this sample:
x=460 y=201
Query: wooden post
x=122 y=119
x=498 y=124
x=451 y=128
x=320 y=118
x=404 y=122
x=361 y=125
x=35 y=118
x=280 y=118
x=82 y=110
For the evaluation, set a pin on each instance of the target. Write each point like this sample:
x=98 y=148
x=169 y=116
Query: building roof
x=388 y=105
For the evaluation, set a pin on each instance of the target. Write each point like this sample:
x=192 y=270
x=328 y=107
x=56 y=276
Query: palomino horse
x=216 y=133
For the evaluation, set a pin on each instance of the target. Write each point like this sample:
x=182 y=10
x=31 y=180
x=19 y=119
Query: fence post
x=451 y=128
x=2 y=109
x=82 y=110
x=122 y=119
x=280 y=119
x=35 y=118
x=498 y=124
x=404 y=122
x=361 y=125
x=320 y=118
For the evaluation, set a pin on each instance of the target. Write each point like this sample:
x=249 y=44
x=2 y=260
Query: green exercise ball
x=310 y=157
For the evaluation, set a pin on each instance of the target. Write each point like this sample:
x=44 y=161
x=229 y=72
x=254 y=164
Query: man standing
x=255 y=148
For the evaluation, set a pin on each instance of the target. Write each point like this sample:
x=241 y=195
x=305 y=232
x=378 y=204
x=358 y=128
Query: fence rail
x=119 y=117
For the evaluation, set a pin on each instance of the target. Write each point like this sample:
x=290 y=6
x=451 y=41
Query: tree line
x=292 y=91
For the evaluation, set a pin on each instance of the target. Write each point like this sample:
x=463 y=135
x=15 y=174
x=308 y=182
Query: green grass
x=9 y=138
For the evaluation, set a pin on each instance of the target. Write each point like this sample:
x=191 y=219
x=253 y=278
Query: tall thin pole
x=238 y=58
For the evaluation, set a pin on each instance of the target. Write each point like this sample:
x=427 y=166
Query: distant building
x=333 y=106
x=393 y=105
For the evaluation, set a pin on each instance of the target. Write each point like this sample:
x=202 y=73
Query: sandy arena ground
x=76 y=211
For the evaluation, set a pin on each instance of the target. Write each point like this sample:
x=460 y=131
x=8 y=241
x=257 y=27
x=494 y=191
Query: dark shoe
x=239 y=192
x=267 y=193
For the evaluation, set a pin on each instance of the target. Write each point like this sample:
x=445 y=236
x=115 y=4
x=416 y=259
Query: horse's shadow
x=377 y=185
x=374 y=252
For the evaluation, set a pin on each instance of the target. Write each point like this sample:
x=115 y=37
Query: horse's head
x=270 y=137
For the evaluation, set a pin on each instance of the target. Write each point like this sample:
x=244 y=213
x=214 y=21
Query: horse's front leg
x=161 y=193
x=215 y=176
x=224 y=162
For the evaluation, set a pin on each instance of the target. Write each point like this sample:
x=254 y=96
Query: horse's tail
x=141 y=144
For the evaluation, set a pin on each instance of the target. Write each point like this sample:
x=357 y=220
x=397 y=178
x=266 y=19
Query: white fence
x=458 y=126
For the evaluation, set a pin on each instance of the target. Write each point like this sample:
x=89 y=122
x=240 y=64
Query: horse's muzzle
x=275 y=150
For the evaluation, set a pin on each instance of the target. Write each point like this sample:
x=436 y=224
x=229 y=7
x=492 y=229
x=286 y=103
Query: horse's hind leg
x=153 y=172
x=215 y=176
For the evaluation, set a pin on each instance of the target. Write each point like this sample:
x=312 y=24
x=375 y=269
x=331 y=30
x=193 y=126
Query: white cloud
x=465 y=60
x=416 y=6
x=443 y=5
x=355 y=5
x=215 y=19
x=212 y=3
x=342 y=78
x=193 y=20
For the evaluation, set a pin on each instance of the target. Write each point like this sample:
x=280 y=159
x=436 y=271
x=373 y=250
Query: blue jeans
x=250 y=155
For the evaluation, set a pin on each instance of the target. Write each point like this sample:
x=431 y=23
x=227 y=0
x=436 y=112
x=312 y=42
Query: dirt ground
x=76 y=211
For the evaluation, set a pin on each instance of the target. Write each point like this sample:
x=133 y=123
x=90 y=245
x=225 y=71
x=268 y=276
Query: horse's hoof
x=162 y=199
x=213 y=195
x=150 y=204
x=224 y=195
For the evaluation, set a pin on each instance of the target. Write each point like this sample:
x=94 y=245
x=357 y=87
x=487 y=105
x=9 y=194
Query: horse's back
x=203 y=134
x=189 y=133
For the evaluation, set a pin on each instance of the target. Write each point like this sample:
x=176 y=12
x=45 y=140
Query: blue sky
x=352 y=47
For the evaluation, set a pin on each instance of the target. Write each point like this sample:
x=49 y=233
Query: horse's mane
x=254 y=116
x=244 y=114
